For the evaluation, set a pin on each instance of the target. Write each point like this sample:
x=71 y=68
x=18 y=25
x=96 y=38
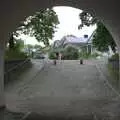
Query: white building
x=80 y=43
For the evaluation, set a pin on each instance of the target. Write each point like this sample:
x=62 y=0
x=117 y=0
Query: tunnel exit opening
x=19 y=10
x=75 y=88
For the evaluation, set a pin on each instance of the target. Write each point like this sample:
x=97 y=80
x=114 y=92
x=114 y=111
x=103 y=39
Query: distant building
x=80 y=43
x=56 y=44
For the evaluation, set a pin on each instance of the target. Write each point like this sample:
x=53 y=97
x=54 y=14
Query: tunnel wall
x=14 y=11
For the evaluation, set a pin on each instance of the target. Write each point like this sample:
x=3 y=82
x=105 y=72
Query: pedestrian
x=56 y=58
x=55 y=62
x=81 y=61
x=57 y=55
x=60 y=57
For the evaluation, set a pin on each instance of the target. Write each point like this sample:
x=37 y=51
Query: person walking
x=56 y=58
x=60 y=57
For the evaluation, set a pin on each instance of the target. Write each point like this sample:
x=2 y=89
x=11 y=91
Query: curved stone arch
x=14 y=11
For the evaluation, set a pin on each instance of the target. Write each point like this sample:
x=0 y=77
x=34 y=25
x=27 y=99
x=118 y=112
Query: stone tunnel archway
x=12 y=12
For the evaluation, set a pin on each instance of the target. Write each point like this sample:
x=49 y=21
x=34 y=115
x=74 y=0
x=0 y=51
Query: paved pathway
x=67 y=89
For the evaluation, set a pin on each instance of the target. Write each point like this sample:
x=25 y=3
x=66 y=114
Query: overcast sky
x=69 y=21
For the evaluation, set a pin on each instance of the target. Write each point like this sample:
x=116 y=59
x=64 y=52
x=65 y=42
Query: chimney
x=85 y=36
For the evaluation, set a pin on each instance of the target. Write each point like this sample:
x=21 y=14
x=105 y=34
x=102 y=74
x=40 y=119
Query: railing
x=114 y=64
x=13 y=72
x=113 y=68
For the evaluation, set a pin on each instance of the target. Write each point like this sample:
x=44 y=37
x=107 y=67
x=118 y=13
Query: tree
x=102 y=38
x=29 y=48
x=19 y=45
x=11 y=42
x=37 y=47
x=87 y=19
x=15 y=44
x=15 y=50
x=42 y=25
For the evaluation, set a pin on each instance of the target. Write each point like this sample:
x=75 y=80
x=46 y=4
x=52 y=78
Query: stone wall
x=14 y=68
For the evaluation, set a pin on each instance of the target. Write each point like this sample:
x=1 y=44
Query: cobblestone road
x=67 y=89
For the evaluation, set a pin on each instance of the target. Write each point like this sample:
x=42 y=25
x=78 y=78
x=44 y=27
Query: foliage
x=52 y=55
x=11 y=42
x=29 y=49
x=19 y=45
x=29 y=46
x=102 y=37
x=46 y=49
x=37 y=47
x=95 y=55
x=14 y=52
x=84 y=55
x=15 y=55
x=114 y=57
x=41 y=25
x=15 y=44
x=71 y=53
x=87 y=19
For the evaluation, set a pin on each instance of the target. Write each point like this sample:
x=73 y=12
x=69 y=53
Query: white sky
x=69 y=21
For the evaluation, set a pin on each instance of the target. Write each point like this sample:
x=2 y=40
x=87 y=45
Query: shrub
x=15 y=55
x=52 y=55
x=95 y=55
x=114 y=57
x=71 y=53
x=86 y=55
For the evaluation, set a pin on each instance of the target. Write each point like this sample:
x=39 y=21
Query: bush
x=95 y=55
x=86 y=55
x=52 y=55
x=114 y=57
x=15 y=55
x=71 y=53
